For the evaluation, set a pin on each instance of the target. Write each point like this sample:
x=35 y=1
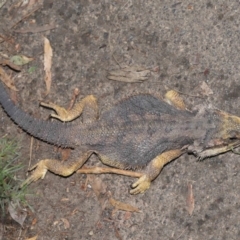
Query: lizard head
x=229 y=126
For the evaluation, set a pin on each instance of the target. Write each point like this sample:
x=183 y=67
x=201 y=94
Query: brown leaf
x=47 y=64
x=66 y=223
x=34 y=221
x=7 y=79
x=129 y=74
x=17 y=213
x=10 y=64
x=32 y=238
x=190 y=199
x=100 y=189
x=206 y=90
x=64 y=200
x=98 y=186
x=123 y=206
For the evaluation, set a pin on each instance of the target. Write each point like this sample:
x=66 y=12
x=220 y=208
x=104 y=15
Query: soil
x=190 y=46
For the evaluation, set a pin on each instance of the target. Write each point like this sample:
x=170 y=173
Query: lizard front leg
x=65 y=115
x=153 y=169
x=174 y=99
x=210 y=152
x=61 y=168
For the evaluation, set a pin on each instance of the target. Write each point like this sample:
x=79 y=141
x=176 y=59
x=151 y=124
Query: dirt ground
x=185 y=44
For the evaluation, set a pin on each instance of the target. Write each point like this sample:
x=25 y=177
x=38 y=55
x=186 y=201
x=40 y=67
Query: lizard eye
x=233 y=135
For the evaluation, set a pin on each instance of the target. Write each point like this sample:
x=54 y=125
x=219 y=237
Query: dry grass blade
x=190 y=199
x=47 y=64
x=122 y=206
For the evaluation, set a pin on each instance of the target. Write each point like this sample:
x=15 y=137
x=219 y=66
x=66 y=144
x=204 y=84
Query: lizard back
x=141 y=127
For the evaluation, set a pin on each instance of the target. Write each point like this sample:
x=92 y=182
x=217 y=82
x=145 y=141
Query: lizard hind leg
x=65 y=115
x=153 y=169
x=60 y=168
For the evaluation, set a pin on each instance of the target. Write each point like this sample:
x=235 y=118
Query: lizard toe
x=39 y=173
x=141 y=185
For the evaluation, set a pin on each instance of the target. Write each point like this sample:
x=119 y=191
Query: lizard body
x=139 y=133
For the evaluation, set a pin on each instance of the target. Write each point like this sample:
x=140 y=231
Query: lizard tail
x=55 y=133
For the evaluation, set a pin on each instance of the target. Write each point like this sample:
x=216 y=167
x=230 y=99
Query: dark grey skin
x=141 y=133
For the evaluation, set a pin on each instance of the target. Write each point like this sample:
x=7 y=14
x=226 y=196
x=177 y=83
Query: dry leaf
x=190 y=200
x=20 y=60
x=17 y=213
x=75 y=211
x=129 y=74
x=34 y=221
x=47 y=64
x=8 y=63
x=100 y=189
x=66 y=223
x=98 y=186
x=190 y=7
x=7 y=79
x=64 y=200
x=122 y=206
x=206 y=90
x=32 y=238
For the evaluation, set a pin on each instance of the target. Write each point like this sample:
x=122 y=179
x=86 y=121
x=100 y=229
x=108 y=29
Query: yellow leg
x=69 y=115
x=101 y=170
x=61 y=168
x=174 y=99
x=153 y=170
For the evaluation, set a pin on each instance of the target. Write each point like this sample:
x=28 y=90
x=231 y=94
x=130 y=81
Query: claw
x=39 y=173
x=141 y=185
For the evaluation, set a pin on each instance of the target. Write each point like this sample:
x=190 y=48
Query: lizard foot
x=62 y=113
x=39 y=172
x=141 y=185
